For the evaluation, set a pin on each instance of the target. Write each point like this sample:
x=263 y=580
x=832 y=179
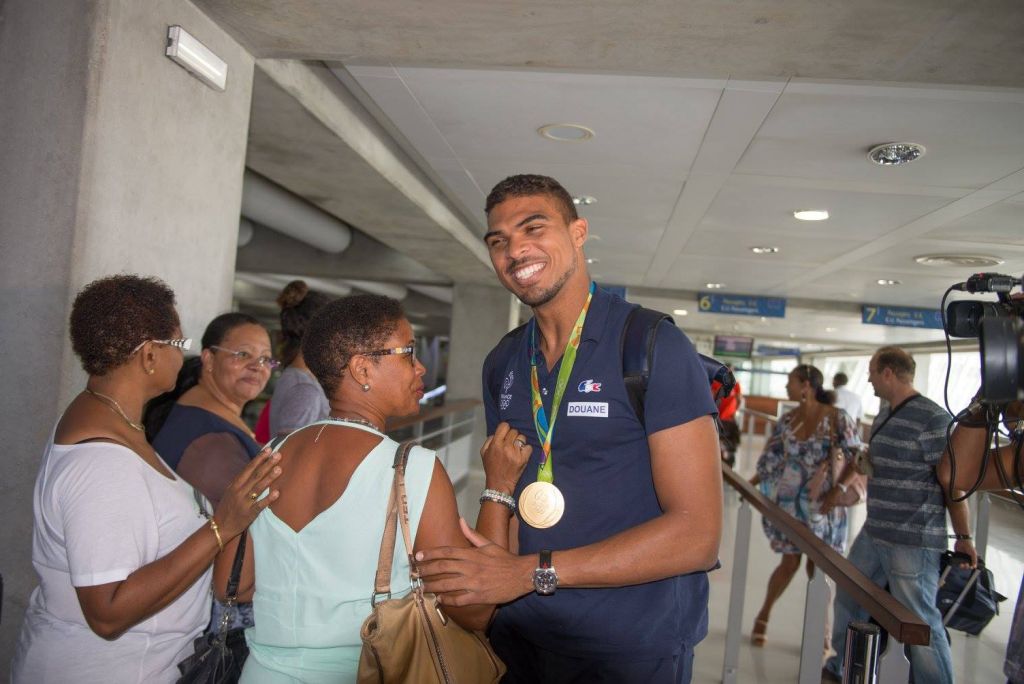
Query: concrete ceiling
x=713 y=123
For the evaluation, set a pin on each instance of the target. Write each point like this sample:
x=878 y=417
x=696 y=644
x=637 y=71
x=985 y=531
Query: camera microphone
x=988 y=282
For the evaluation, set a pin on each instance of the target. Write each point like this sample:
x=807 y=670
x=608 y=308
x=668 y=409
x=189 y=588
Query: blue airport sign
x=768 y=350
x=742 y=305
x=901 y=316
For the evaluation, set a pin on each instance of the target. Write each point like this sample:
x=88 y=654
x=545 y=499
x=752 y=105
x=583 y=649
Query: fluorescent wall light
x=196 y=58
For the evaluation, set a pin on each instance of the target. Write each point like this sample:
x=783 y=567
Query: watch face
x=545 y=581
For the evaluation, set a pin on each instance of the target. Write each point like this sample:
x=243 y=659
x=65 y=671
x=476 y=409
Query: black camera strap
x=892 y=412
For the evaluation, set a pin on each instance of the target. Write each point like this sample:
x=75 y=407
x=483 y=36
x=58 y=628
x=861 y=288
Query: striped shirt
x=905 y=501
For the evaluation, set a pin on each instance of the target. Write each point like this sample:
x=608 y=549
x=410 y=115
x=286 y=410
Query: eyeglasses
x=410 y=350
x=245 y=358
x=182 y=343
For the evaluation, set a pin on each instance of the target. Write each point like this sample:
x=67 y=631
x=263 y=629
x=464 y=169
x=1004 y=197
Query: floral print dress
x=786 y=468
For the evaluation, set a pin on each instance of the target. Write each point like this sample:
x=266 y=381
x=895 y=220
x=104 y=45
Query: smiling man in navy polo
x=603 y=540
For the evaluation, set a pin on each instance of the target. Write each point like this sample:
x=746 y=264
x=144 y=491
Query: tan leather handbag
x=831 y=468
x=411 y=639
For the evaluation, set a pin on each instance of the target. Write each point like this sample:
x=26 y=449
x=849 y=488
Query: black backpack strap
x=637 y=347
x=501 y=351
x=637 y=350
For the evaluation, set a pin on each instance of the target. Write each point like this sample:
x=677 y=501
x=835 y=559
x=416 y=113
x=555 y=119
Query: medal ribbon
x=545 y=428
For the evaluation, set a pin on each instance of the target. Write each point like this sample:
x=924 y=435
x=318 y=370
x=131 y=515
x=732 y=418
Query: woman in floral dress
x=796 y=451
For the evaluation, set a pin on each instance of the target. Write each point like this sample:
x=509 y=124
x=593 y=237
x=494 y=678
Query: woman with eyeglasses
x=310 y=564
x=120 y=543
x=198 y=427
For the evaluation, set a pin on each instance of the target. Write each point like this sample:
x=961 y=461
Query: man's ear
x=579 y=230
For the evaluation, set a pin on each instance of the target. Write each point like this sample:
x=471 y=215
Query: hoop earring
x=366 y=387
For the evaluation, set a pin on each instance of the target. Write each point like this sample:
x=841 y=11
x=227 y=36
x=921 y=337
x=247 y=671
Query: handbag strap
x=396 y=500
x=236 y=568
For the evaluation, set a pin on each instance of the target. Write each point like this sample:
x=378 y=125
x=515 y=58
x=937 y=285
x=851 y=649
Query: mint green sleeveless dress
x=313 y=586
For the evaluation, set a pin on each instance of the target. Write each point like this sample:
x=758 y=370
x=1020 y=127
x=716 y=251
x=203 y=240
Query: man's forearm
x=959 y=514
x=669 y=545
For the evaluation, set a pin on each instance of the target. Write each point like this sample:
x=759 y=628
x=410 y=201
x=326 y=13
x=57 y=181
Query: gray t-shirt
x=298 y=400
x=905 y=501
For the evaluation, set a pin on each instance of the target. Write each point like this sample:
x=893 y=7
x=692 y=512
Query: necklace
x=115 y=407
x=356 y=421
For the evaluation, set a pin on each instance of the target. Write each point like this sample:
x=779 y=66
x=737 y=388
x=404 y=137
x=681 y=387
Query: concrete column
x=480 y=317
x=114 y=159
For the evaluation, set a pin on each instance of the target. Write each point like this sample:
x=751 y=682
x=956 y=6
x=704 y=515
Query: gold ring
x=253 y=496
x=519 y=442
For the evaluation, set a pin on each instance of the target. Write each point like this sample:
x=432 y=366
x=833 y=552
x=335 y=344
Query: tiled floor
x=977 y=660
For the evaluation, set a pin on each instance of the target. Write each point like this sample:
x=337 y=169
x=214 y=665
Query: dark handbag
x=966 y=598
x=410 y=639
x=219 y=656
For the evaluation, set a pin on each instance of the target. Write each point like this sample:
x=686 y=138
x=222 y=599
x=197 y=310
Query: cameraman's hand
x=1013 y=413
x=966 y=546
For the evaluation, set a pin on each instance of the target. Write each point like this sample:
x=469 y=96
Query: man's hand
x=829 y=501
x=966 y=546
x=485 y=574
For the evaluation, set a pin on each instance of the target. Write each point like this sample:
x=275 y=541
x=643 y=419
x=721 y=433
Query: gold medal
x=541 y=505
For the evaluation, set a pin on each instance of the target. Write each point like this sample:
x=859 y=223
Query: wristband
x=961 y=537
x=498 y=497
x=216 y=532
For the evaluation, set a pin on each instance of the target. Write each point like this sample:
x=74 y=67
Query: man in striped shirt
x=905 y=533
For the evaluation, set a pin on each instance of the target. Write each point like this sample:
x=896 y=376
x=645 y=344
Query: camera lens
x=1002 y=349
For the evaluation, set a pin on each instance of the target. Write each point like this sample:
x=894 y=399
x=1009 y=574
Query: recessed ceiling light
x=566 y=132
x=969 y=260
x=792 y=336
x=585 y=200
x=811 y=214
x=592 y=260
x=680 y=312
x=830 y=329
x=895 y=153
x=887 y=282
x=714 y=286
x=764 y=250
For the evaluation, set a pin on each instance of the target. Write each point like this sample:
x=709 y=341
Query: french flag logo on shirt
x=588 y=386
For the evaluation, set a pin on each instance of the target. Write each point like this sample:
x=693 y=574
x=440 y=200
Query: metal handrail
x=904 y=626
x=896 y=618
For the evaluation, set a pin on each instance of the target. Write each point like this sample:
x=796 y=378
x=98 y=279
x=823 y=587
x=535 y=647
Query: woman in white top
x=122 y=550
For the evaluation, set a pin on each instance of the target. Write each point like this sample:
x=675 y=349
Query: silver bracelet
x=498 y=497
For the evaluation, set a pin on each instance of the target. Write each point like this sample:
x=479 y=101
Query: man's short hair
x=839 y=379
x=528 y=184
x=899 y=360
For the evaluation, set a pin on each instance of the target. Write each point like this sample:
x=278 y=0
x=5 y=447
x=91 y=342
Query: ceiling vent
x=965 y=260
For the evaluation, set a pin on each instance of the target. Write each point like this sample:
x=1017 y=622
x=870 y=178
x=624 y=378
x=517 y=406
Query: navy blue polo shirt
x=602 y=466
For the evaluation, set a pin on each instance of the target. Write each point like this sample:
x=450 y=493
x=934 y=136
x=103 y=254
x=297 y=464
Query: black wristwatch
x=545 y=579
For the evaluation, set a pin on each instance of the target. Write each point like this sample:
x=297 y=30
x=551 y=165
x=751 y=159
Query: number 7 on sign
x=870 y=312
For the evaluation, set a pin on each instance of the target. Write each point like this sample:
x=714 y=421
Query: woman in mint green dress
x=312 y=556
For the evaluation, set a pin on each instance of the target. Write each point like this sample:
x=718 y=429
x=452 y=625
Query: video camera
x=999 y=327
